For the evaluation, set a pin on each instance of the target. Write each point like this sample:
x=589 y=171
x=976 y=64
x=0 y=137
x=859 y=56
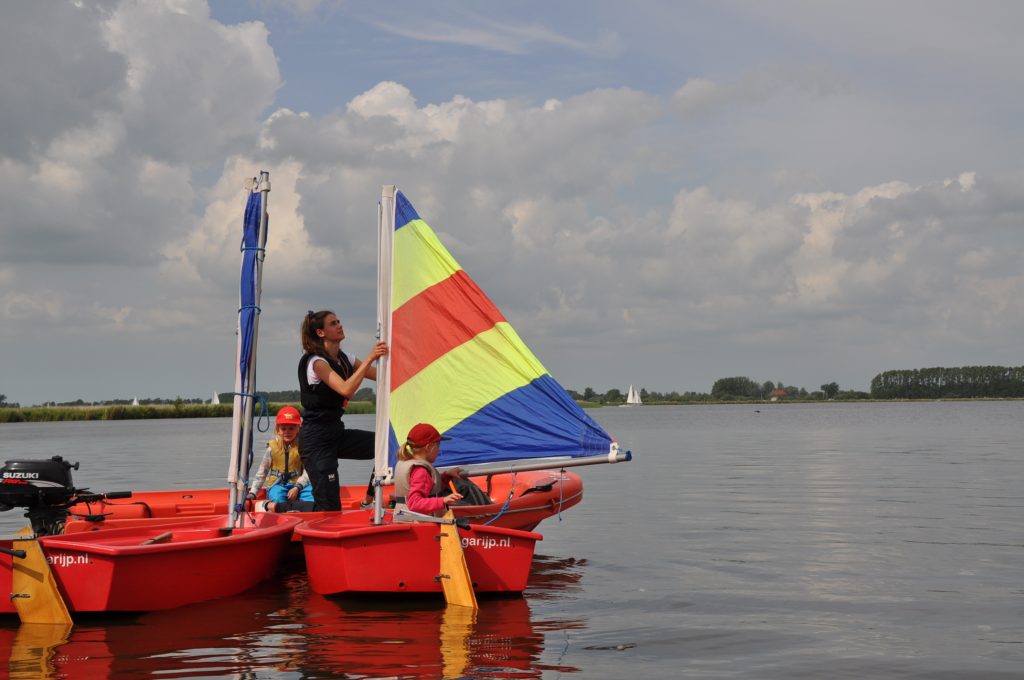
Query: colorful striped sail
x=456 y=363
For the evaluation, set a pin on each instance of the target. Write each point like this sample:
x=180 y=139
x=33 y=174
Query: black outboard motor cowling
x=36 y=483
x=43 y=487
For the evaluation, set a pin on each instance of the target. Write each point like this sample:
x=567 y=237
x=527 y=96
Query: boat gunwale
x=83 y=541
x=311 y=530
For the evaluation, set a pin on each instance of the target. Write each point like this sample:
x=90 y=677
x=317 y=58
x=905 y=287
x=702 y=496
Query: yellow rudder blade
x=33 y=587
x=458 y=586
x=34 y=649
x=457 y=625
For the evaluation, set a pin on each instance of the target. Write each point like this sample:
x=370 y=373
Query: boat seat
x=538 y=488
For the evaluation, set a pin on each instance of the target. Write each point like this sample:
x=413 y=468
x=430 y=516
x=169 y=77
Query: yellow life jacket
x=277 y=463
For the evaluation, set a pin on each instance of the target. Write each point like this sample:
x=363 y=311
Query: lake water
x=773 y=541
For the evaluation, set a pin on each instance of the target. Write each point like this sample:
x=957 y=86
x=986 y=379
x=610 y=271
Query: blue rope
x=508 y=501
x=561 y=492
x=241 y=510
x=264 y=414
x=262 y=410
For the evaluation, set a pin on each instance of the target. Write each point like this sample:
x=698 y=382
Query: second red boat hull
x=405 y=557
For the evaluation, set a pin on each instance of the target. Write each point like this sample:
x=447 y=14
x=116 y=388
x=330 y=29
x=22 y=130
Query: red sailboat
x=157 y=565
x=455 y=362
x=522 y=500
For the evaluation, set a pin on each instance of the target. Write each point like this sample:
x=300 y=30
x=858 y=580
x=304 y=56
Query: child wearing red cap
x=418 y=486
x=281 y=470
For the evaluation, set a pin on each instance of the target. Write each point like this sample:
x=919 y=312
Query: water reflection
x=430 y=641
x=555 y=577
x=285 y=630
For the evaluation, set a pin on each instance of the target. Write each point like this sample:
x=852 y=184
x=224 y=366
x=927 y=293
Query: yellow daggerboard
x=458 y=586
x=33 y=587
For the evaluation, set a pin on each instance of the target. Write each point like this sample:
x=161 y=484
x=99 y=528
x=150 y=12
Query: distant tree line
x=616 y=396
x=149 y=401
x=738 y=388
x=964 y=382
x=743 y=388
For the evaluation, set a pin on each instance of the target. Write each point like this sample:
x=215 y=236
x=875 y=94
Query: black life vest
x=319 y=402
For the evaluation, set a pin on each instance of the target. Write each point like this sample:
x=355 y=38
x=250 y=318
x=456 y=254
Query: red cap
x=424 y=434
x=289 y=415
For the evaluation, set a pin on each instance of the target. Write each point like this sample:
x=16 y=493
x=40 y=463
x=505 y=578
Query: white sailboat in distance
x=216 y=398
x=632 y=397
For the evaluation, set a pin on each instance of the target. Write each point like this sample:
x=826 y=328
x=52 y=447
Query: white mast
x=385 y=263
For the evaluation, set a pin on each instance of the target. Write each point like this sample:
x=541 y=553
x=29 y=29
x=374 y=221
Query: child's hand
x=452 y=498
x=293 y=493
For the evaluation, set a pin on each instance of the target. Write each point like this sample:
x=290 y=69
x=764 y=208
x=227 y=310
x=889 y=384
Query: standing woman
x=328 y=377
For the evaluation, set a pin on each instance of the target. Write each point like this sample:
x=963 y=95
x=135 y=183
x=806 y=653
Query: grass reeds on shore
x=44 y=414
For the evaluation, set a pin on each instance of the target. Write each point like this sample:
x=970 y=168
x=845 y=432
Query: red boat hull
x=112 y=571
x=405 y=557
x=522 y=500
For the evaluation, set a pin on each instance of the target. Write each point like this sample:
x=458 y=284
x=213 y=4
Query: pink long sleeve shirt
x=421 y=484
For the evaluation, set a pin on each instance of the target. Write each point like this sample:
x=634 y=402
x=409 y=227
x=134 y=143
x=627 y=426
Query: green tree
x=831 y=390
x=737 y=387
x=589 y=394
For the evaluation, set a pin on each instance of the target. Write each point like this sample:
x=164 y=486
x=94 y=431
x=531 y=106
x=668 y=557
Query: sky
x=653 y=193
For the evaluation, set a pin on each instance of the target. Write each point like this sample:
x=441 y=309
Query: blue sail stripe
x=537 y=420
x=404 y=212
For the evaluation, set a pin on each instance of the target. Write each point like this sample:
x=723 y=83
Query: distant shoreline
x=44 y=414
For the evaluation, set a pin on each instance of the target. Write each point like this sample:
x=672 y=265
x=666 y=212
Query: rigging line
x=508 y=501
x=262 y=415
x=263 y=410
x=561 y=492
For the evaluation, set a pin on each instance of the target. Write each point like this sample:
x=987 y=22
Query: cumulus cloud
x=472 y=168
x=192 y=104
x=785 y=215
x=63 y=44
x=211 y=251
x=115 y=127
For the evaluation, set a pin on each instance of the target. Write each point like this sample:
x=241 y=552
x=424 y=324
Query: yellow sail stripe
x=443 y=395
x=420 y=262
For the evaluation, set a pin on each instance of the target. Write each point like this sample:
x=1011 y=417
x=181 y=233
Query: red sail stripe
x=436 y=321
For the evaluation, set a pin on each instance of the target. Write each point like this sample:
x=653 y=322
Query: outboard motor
x=45 y=489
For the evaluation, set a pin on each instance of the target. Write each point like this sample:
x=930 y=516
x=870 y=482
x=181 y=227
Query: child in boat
x=280 y=471
x=418 y=486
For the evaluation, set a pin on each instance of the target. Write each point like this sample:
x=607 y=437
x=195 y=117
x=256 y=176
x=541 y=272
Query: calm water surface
x=775 y=541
